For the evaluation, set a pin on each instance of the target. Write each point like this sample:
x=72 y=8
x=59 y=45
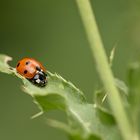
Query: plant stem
x=103 y=68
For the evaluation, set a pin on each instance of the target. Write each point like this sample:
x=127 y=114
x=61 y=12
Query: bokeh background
x=51 y=32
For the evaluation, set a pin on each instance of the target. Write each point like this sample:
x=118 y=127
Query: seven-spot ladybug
x=33 y=71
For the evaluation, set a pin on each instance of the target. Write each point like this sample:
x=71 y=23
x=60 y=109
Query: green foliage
x=134 y=94
x=4 y=67
x=85 y=121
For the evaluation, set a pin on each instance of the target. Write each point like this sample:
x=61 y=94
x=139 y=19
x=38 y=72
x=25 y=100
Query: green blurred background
x=51 y=31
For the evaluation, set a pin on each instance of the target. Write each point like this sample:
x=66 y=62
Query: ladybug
x=33 y=71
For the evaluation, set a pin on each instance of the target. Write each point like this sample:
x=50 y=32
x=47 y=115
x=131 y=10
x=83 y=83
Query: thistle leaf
x=85 y=121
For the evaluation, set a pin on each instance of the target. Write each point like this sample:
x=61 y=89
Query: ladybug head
x=39 y=79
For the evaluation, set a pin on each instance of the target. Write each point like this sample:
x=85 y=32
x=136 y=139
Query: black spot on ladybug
x=27 y=62
x=18 y=64
x=25 y=72
x=38 y=68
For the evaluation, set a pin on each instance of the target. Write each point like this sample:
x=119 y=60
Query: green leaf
x=85 y=121
x=4 y=67
x=112 y=54
x=134 y=93
x=101 y=99
x=87 y=117
x=122 y=86
x=59 y=125
x=134 y=83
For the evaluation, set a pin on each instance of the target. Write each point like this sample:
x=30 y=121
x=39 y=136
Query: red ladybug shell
x=27 y=67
